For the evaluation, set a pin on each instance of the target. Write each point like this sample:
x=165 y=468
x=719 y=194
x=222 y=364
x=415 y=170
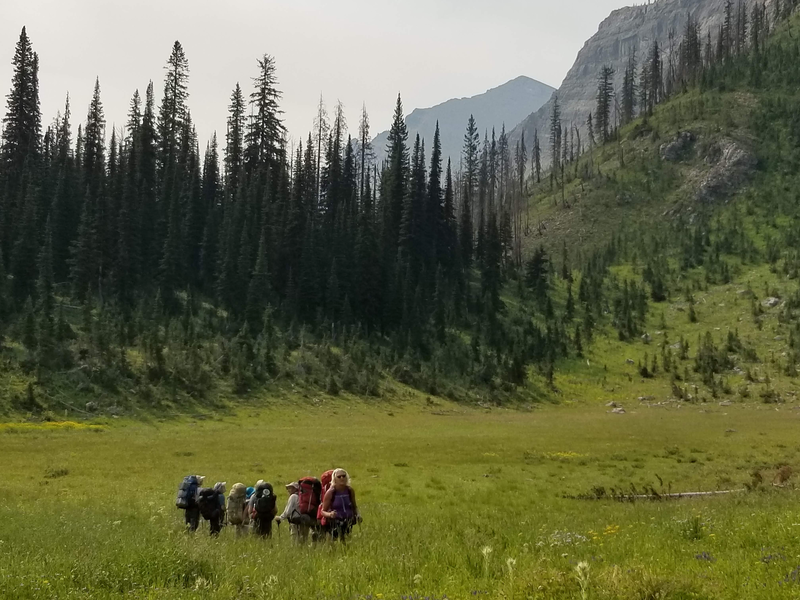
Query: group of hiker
x=324 y=507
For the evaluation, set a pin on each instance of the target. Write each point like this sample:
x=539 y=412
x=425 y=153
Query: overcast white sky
x=356 y=51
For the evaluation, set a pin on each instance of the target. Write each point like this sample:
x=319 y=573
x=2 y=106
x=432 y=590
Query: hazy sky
x=356 y=51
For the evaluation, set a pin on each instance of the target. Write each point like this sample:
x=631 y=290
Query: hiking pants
x=341 y=528
x=302 y=526
x=263 y=527
x=192 y=518
x=215 y=524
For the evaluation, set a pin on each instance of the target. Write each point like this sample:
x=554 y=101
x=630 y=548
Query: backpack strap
x=352 y=493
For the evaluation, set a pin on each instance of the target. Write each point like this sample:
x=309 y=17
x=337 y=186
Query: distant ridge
x=625 y=31
x=506 y=104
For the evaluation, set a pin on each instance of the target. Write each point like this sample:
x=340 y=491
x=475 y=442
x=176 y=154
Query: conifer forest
x=140 y=267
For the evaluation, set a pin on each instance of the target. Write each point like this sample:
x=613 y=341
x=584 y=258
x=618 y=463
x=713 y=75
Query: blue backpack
x=187 y=492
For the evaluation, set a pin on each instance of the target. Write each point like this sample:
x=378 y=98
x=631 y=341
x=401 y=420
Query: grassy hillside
x=712 y=241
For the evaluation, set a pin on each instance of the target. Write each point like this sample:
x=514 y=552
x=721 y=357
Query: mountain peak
x=506 y=104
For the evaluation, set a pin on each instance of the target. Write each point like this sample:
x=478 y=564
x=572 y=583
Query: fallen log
x=601 y=494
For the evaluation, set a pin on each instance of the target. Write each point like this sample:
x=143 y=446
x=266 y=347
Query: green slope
x=701 y=235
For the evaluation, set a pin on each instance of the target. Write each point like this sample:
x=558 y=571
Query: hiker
x=262 y=508
x=211 y=502
x=236 y=510
x=219 y=487
x=301 y=508
x=339 y=509
x=187 y=500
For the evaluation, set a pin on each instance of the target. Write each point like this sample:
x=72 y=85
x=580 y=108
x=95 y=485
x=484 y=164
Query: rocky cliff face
x=507 y=104
x=627 y=30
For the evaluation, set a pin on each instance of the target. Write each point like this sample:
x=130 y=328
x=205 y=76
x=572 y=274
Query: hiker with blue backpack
x=187 y=500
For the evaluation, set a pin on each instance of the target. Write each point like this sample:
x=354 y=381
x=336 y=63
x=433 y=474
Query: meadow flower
x=486 y=551
x=417 y=579
x=582 y=575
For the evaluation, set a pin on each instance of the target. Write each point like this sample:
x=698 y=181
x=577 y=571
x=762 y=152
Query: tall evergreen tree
x=265 y=130
x=365 y=151
x=20 y=146
x=629 y=88
x=537 y=157
x=555 y=140
x=433 y=231
x=470 y=161
x=172 y=113
x=395 y=177
x=605 y=92
x=234 y=140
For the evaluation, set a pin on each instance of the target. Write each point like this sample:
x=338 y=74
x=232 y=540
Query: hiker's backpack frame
x=309 y=496
x=187 y=492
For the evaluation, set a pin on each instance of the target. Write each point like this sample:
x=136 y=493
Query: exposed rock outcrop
x=733 y=164
x=678 y=148
x=627 y=30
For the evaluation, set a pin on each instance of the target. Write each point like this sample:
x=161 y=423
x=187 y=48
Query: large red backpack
x=325 y=481
x=309 y=496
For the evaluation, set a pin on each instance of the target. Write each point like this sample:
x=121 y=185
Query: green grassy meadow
x=457 y=502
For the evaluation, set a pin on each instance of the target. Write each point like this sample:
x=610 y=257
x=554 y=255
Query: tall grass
x=458 y=504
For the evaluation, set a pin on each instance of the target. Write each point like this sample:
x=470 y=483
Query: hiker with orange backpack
x=339 y=511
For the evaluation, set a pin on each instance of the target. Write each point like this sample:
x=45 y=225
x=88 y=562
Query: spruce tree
x=366 y=153
x=234 y=141
x=20 y=146
x=265 y=129
x=555 y=140
x=537 y=156
x=395 y=177
x=470 y=183
x=172 y=112
x=433 y=230
x=149 y=251
x=449 y=249
x=629 y=89
x=605 y=92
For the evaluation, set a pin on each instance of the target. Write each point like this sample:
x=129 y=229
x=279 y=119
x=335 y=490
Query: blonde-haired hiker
x=339 y=508
x=236 y=510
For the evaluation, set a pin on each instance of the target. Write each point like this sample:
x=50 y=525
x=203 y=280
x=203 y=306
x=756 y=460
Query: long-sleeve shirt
x=292 y=505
